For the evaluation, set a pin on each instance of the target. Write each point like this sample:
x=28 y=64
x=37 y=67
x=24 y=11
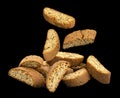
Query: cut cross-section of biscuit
x=58 y=18
x=97 y=70
x=28 y=76
x=36 y=62
x=55 y=74
x=77 y=78
x=74 y=58
x=79 y=38
x=52 y=45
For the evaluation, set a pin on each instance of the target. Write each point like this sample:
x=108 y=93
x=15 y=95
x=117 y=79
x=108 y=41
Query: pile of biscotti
x=59 y=66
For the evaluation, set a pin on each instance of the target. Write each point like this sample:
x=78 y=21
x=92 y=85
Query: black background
x=24 y=33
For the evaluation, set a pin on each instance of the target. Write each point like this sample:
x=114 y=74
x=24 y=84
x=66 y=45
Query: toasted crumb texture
x=55 y=74
x=28 y=76
x=77 y=78
x=79 y=38
x=58 y=18
x=52 y=45
x=97 y=70
x=74 y=58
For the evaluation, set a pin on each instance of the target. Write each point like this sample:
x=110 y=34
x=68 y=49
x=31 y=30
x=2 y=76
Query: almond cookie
x=97 y=70
x=55 y=74
x=77 y=78
x=28 y=76
x=58 y=18
x=36 y=62
x=52 y=45
x=74 y=58
x=79 y=38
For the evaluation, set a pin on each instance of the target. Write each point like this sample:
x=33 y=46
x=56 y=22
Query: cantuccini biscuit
x=55 y=74
x=52 y=45
x=74 y=58
x=79 y=38
x=77 y=78
x=97 y=70
x=28 y=76
x=58 y=18
x=36 y=62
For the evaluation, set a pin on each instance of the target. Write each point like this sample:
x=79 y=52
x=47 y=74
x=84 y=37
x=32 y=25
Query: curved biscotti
x=28 y=76
x=77 y=78
x=74 y=58
x=97 y=70
x=52 y=45
x=79 y=38
x=55 y=74
x=58 y=18
x=36 y=62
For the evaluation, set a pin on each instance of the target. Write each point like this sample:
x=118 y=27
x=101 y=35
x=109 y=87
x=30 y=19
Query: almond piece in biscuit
x=77 y=78
x=79 y=38
x=28 y=76
x=52 y=45
x=58 y=18
x=74 y=58
x=97 y=70
x=55 y=74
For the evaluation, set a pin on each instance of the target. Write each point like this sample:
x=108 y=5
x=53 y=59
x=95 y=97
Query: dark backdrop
x=24 y=33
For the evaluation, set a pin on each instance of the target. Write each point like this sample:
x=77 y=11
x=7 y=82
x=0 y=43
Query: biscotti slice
x=77 y=78
x=79 y=38
x=28 y=76
x=58 y=18
x=74 y=58
x=97 y=70
x=52 y=45
x=36 y=62
x=55 y=74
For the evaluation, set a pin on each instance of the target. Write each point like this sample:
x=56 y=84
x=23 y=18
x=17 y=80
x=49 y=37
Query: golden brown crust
x=77 y=78
x=74 y=58
x=58 y=18
x=56 y=74
x=79 y=38
x=52 y=45
x=97 y=70
x=27 y=75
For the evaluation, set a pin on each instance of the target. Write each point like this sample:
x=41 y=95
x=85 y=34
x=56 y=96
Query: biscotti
x=79 y=38
x=74 y=58
x=28 y=76
x=36 y=62
x=52 y=45
x=77 y=78
x=58 y=18
x=55 y=74
x=97 y=70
